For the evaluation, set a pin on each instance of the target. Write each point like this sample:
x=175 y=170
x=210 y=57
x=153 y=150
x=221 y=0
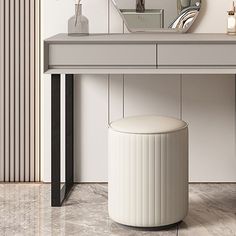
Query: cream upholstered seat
x=148 y=171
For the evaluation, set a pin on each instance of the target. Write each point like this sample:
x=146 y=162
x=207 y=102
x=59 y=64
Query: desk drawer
x=102 y=55
x=197 y=55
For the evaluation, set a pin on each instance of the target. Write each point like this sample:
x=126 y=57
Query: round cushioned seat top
x=148 y=125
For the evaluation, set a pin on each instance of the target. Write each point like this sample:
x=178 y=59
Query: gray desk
x=124 y=54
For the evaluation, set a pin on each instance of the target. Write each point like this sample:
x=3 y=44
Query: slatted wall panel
x=19 y=91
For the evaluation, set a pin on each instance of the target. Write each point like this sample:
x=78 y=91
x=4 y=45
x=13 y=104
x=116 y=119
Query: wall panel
x=116 y=97
x=116 y=82
x=209 y=108
x=135 y=95
x=154 y=94
x=91 y=108
x=18 y=27
x=91 y=123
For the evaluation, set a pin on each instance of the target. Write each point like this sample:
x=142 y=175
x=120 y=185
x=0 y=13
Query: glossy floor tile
x=212 y=211
x=25 y=210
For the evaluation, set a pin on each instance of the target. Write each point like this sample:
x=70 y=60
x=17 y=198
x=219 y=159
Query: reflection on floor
x=25 y=210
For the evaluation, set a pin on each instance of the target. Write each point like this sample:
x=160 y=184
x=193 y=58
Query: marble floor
x=25 y=210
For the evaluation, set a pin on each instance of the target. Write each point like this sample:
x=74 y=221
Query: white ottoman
x=148 y=171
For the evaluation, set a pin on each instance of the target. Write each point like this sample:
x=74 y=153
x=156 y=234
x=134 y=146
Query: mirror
x=159 y=15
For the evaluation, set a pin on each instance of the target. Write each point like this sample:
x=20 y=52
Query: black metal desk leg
x=69 y=132
x=55 y=140
x=59 y=194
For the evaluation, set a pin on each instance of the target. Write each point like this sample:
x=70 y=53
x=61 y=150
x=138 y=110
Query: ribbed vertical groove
x=19 y=90
x=151 y=192
x=158 y=179
x=130 y=170
x=145 y=175
x=142 y=177
x=139 y=179
x=134 y=177
x=155 y=187
x=122 y=180
x=168 y=185
x=163 y=178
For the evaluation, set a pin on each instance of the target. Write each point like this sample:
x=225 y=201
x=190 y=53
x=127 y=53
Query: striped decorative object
x=148 y=178
x=19 y=90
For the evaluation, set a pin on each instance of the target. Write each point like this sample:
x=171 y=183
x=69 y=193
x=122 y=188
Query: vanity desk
x=123 y=54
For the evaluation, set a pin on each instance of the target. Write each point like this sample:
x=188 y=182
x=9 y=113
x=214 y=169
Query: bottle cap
x=232 y=7
x=77 y=1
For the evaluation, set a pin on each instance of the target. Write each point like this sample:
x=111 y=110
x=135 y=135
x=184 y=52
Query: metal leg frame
x=59 y=194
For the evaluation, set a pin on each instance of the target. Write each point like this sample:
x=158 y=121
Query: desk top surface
x=143 y=38
x=169 y=38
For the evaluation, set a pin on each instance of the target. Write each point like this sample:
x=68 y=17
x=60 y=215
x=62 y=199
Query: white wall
x=206 y=102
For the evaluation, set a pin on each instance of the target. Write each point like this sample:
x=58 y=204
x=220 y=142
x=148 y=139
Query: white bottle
x=78 y=24
x=231 y=28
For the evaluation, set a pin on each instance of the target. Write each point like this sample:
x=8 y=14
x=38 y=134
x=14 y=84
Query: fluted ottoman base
x=148 y=171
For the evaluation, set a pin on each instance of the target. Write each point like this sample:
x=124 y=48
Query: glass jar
x=78 y=24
